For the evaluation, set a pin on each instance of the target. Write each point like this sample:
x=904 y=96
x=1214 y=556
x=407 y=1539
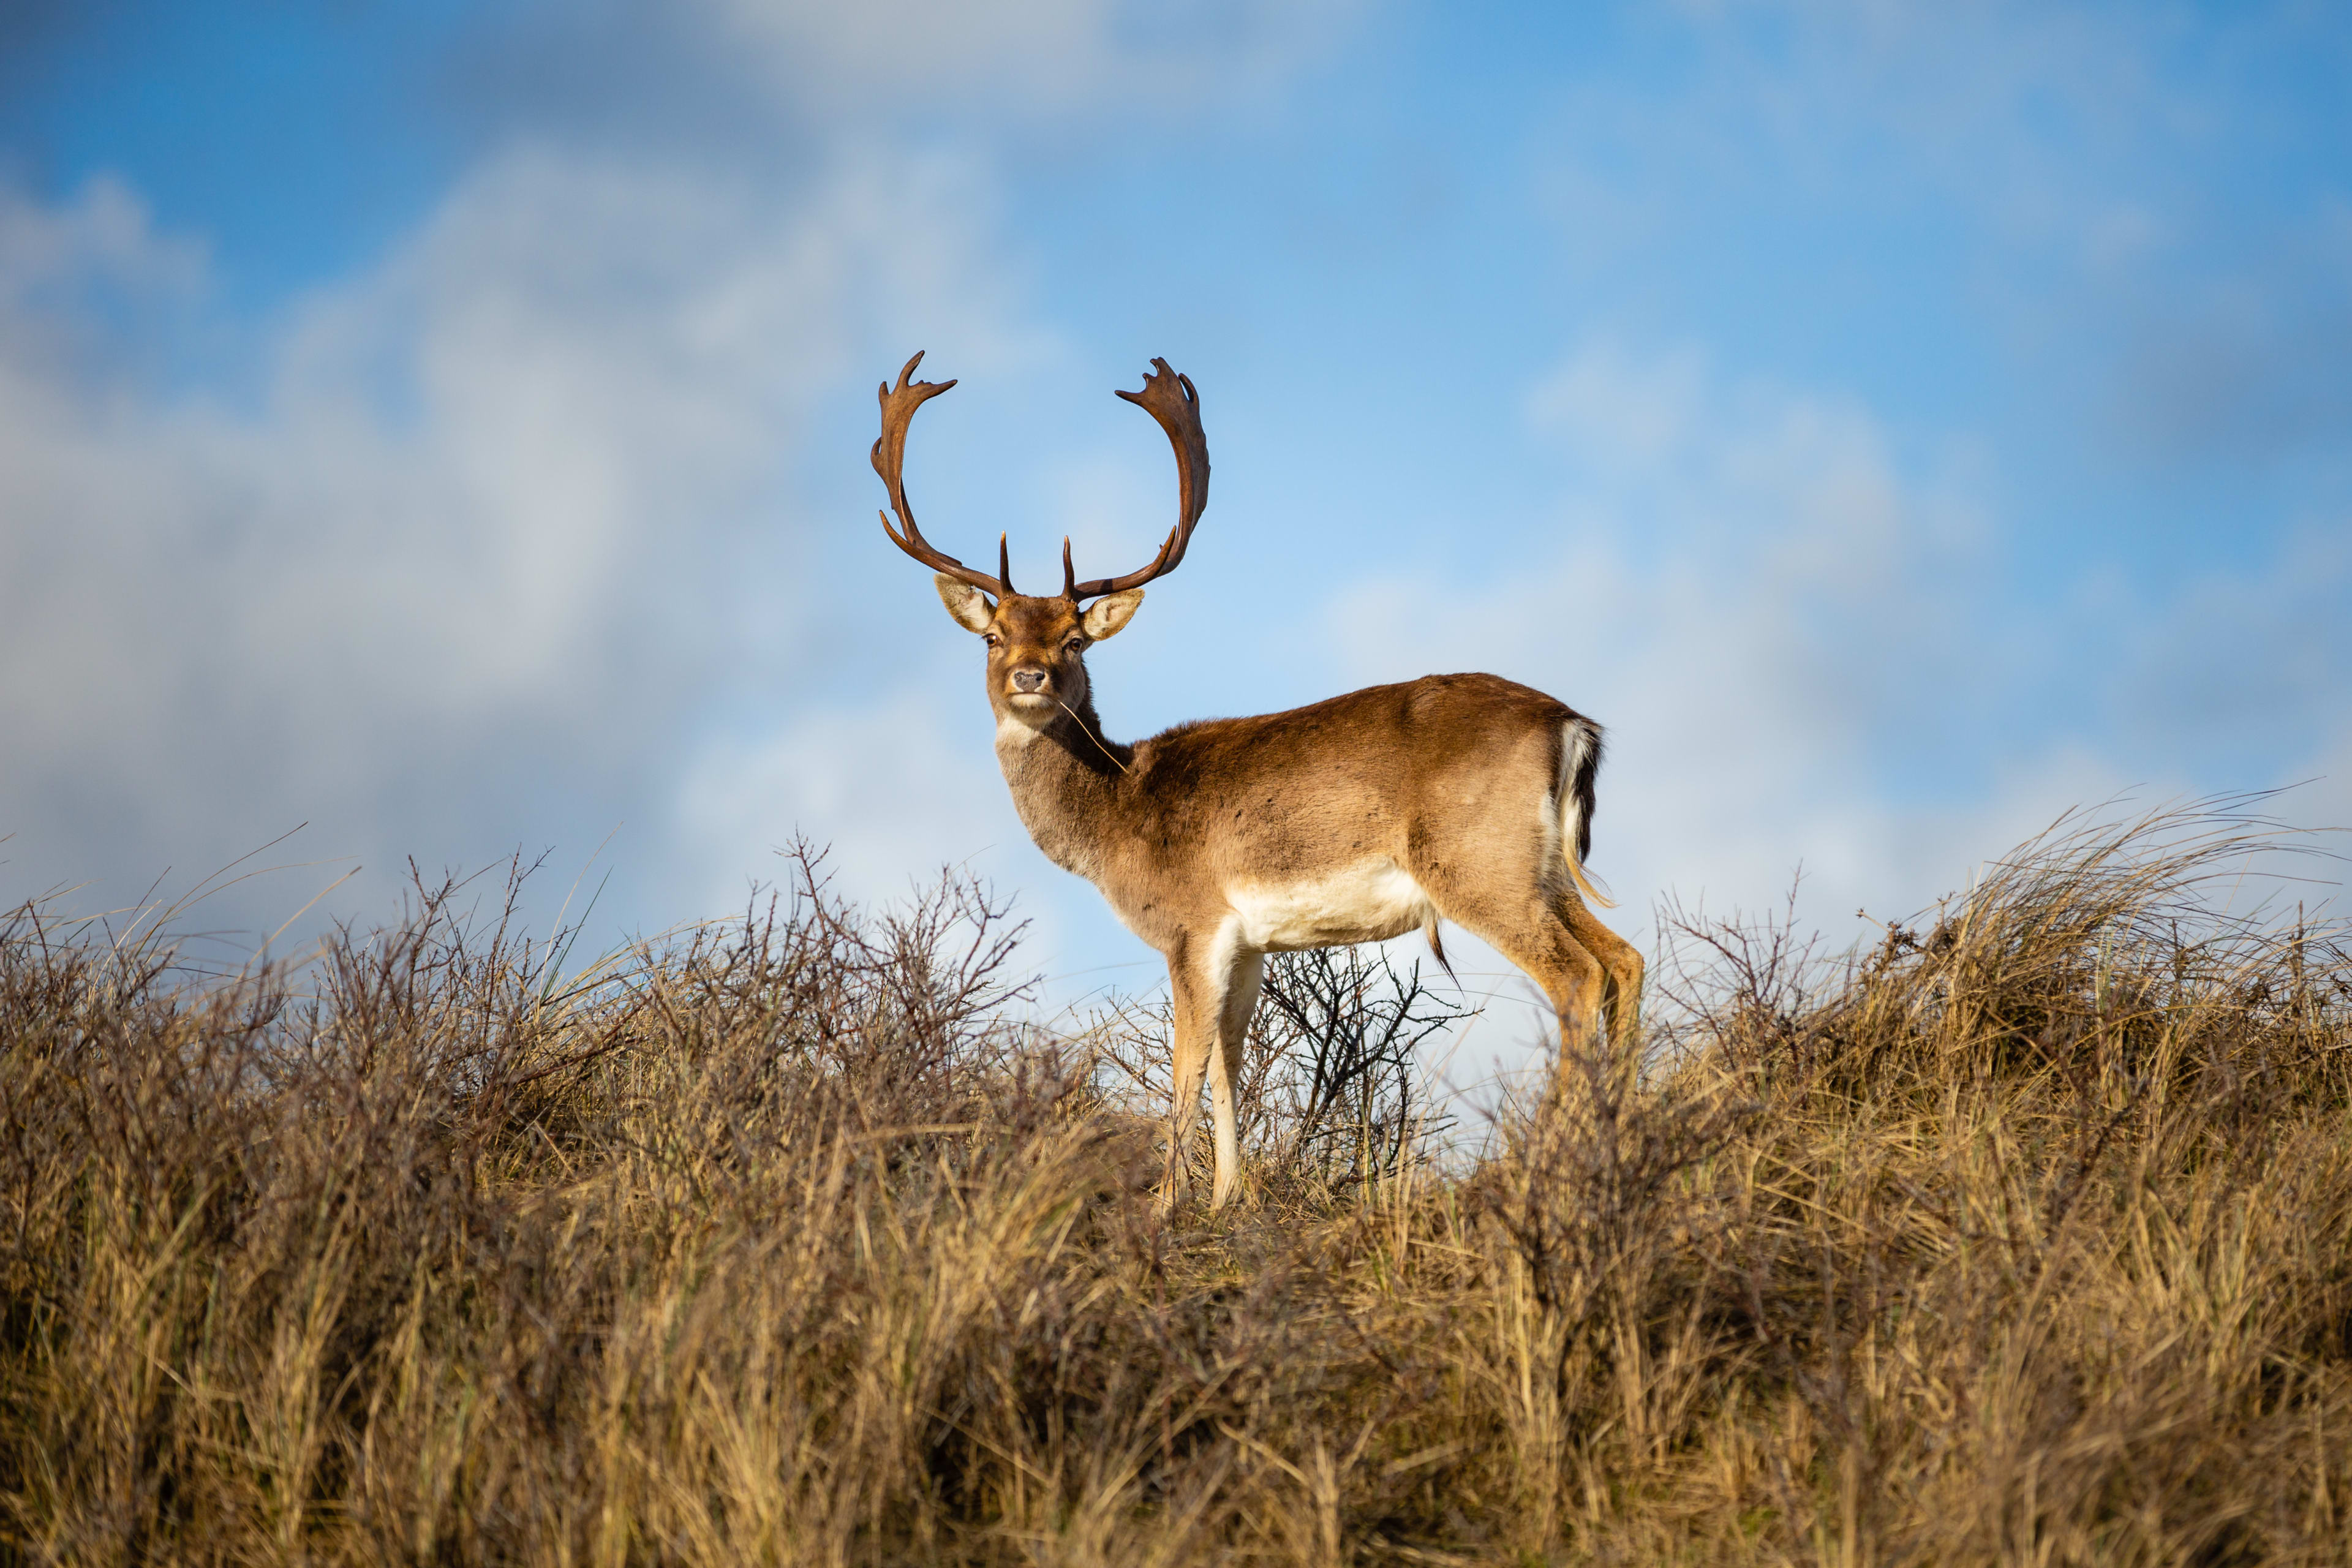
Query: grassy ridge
x=2026 y=1237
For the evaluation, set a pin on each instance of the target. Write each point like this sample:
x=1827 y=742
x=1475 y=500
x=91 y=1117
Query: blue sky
x=446 y=425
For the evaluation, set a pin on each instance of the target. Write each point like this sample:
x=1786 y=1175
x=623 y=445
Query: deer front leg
x=1192 y=1036
x=1243 y=974
x=1214 y=989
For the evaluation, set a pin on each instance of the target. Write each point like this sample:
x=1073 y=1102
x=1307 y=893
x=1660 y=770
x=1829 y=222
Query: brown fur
x=1451 y=777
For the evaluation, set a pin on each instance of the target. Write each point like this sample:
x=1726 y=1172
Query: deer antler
x=1170 y=399
x=898 y=406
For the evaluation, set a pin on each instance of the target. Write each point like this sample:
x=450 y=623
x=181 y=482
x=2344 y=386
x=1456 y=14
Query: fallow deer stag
x=1466 y=797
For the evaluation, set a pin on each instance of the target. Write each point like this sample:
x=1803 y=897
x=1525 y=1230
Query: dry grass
x=2025 y=1239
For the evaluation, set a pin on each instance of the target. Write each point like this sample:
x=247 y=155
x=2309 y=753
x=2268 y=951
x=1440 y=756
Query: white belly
x=1369 y=901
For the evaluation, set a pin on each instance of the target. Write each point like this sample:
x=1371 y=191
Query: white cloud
x=478 y=545
x=1973 y=97
x=464 y=570
x=2096 y=198
x=49 y=256
x=1027 y=59
x=1783 y=635
x=883 y=787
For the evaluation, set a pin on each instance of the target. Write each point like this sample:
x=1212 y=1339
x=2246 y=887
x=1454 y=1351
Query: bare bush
x=1344 y=1097
x=1331 y=1094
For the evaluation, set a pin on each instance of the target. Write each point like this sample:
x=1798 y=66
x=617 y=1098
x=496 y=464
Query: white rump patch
x=1370 y=900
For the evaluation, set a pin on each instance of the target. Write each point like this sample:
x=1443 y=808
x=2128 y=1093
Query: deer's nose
x=1028 y=679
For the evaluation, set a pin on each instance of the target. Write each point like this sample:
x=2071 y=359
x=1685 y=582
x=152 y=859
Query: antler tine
x=1170 y=399
x=898 y=406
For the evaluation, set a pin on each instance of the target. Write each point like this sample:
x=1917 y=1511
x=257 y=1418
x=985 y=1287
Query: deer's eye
x=992 y=640
x=1075 y=644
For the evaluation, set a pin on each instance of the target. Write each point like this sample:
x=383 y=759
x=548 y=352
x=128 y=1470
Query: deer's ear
x=1105 y=616
x=966 y=604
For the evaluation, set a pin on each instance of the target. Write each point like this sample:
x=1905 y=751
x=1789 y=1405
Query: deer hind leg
x=1621 y=961
x=1528 y=929
x=1214 y=987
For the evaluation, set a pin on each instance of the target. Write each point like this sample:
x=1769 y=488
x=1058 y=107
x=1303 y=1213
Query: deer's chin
x=1032 y=706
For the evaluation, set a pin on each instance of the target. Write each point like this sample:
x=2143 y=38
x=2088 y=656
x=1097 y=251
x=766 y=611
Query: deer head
x=1036 y=644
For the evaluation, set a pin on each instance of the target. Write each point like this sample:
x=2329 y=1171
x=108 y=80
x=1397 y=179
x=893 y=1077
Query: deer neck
x=1067 y=780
